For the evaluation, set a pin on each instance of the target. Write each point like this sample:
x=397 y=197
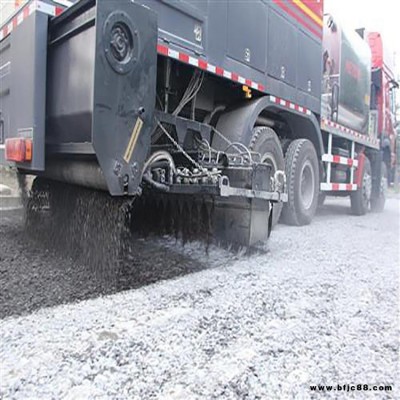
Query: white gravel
x=321 y=307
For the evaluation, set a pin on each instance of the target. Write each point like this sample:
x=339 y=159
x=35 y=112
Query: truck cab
x=383 y=99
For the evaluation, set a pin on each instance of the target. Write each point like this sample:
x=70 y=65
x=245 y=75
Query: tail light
x=18 y=149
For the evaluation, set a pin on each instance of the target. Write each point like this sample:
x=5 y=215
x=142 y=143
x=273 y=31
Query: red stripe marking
x=349 y=187
x=316 y=6
x=282 y=5
x=308 y=18
x=219 y=71
x=336 y=159
x=203 y=64
x=350 y=162
x=285 y=103
x=162 y=50
x=335 y=186
x=184 y=57
x=26 y=12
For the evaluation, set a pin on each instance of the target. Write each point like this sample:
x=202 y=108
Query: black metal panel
x=101 y=88
x=282 y=49
x=5 y=82
x=23 y=78
x=182 y=22
x=284 y=56
x=71 y=76
x=246 y=45
x=28 y=85
x=310 y=70
x=124 y=91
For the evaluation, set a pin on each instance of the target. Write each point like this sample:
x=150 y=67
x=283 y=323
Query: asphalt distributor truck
x=251 y=110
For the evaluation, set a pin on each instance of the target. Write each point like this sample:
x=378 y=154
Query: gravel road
x=320 y=306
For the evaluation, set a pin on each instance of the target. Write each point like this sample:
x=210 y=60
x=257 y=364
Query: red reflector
x=18 y=149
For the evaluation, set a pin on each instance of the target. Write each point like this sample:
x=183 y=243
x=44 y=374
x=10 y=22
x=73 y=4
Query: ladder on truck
x=335 y=129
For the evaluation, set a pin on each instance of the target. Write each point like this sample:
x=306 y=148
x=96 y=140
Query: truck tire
x=378 y=203
x=266 y=142
x=360 y=199
x=285 y=143
x=302 y=179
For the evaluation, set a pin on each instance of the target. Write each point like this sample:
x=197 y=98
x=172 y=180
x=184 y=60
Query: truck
x=255 y=111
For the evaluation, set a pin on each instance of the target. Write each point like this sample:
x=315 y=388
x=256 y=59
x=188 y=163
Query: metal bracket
x=225 y=190
x=183 y=125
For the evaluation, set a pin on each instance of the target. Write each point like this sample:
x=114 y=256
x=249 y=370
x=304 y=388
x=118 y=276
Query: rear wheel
x=302 y=175
x=266 y=142
x=378 y=203
x=360 y=199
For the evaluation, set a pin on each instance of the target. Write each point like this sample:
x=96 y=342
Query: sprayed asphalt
x=320 y=306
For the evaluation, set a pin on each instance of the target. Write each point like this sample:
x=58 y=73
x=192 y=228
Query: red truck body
x=383 y=80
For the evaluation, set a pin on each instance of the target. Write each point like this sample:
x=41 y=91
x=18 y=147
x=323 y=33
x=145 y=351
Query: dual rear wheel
x=378 y=202
x=302 y=174
x=363 y=198
x=299 y=160
x=302 y=177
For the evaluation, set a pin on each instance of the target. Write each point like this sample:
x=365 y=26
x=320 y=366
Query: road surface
x=320 y=306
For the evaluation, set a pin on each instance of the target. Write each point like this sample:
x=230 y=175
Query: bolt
x=134 y=169
x=117 y=168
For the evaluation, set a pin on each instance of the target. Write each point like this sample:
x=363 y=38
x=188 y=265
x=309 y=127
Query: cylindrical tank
x=346 y=77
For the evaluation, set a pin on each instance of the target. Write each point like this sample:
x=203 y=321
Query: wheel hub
x=367 y=187
x=307 y=184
